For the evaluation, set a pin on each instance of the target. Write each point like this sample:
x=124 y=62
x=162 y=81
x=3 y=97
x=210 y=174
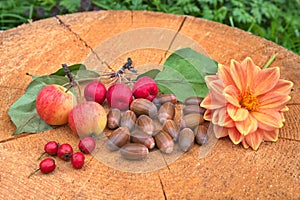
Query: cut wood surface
x=227 y=172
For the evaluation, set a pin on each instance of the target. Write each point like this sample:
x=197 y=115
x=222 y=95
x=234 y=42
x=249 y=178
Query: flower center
x=249 y=101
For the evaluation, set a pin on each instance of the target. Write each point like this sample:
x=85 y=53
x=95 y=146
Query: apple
x=146 y=88
x=87 y=118
x=54 y=103
x=95 y=91
x=119 y=96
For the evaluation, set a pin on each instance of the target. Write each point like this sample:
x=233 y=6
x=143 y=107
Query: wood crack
x=15 y=137
x=173 y=39
x=67 y=27
x=289 y=139
x=162 y=187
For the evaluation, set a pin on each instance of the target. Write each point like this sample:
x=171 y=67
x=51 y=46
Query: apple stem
x=70 y=76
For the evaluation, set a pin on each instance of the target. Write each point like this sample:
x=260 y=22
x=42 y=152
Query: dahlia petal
x=251 y=71
x=273 y=100
x=221 y=118
x=247 y=126
x=216 y=86
x=220 y=131
x=245 y=145
x=232 y=95
x=268 y=119
x=266 y=80
x=227 y=122
x=283 y=86
x=211 y=102
x=237 y=114
x=282 y=117
x=271 y=136
x=210 y=78
x=224 y=74
x=285 y=109
x=218 y=115
x=235 y=136
x=238 y=75
x=254 y=139
x=208 y=115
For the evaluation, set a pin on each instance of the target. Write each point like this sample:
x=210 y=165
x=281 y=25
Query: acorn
x=146 y=124
x=194 y=100
x=191 y=120
x=139 y=136
x=143 y=107
x=113 y=118
x=128 y=119
x=134 y=151
x=186 y=139
x=171 y=128
x=201 y=136
x=158 y=101
x=164 y=142
x=188 y=109
x=118 y=138
x=166 y=111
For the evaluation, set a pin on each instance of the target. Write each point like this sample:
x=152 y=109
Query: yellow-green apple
x=119 y=96
x=146 y=88
x=87 y=118
x=54 y=103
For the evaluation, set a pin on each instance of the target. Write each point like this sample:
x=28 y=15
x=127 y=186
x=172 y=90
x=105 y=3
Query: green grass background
x=275 y=20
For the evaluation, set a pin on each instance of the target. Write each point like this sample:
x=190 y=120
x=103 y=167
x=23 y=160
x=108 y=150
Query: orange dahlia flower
x=246 y=102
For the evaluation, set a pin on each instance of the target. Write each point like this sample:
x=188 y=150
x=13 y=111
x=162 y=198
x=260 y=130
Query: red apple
x=119 y=96
x=95 y=91
x=145 y=88
x=87 y=118
x=53 y=104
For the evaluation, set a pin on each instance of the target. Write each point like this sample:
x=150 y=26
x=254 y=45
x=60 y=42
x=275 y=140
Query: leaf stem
x=35 y=171
x=41 y=156
x=268 y=63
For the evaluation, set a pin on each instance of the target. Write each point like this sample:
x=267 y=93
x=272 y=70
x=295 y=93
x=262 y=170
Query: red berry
x=145 y=88
x=119 y=96
x=95 y=91
x=87 y=145
x=77 y=160
x=46 y=166
x=50 y=148
x=65 y=152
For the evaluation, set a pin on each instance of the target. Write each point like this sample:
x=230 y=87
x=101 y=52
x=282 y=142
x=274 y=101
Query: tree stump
x=227 y=172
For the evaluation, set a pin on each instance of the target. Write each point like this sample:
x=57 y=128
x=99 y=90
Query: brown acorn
x=139 y=136
x=166 y=111
x=171 y=128
x=128 y=119
x=113 y=118
x=118 y=138
x=186 y=139
x=158 y=101
x=191 y=120
x=194 y=100
x=134 y=151
x=143 y=107
x=201 y=136
x=146 y=124
x=188 y=109
x=164 y=142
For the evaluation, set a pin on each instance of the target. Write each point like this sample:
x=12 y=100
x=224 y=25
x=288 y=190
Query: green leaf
x=72 y=68
x=82 y=74
x=151 y=73
x=183 y=74
x=23 y=112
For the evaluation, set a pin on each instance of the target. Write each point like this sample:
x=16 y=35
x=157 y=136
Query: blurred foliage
x=275 y=20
